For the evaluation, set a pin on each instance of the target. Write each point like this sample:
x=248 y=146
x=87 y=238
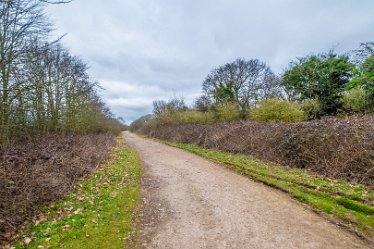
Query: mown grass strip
x=351 y=204
x=99 y=215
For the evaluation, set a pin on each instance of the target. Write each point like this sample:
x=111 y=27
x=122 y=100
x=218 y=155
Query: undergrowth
x=98 y=215
x=330 y=147
x=351 y=204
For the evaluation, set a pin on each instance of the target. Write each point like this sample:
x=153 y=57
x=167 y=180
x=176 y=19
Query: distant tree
x=140 y=122
x=320 y=77
x=271 y=87
x=365 y=50
x=122 y=120
x=203 y=103
x=161 y=107
x=243 y=81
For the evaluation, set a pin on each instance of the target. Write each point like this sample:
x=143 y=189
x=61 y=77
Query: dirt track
x=190 y=202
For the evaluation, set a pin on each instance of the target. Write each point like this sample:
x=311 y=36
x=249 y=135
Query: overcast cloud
x=142 y=50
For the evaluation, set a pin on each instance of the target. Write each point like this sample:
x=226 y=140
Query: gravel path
x=190 y=202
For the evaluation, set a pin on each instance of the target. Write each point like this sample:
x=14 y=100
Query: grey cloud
x=141 y=50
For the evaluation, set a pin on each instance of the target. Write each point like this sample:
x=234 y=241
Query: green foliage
x=311 y=108
x=356 y=100
x=364 y=78
x=322 y=78
x=278 y=111
x=99 y=215
x=226 y=112
x=225 y=93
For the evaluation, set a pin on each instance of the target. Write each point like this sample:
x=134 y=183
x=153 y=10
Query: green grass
x=350 y=204
x=98 y=215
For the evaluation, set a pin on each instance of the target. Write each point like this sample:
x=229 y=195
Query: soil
x=190 y=202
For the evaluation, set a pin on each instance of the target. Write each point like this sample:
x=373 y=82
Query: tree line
x=43 y=87
x=311 y=87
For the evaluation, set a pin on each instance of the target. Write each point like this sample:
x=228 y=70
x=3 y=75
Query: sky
x=143 y=50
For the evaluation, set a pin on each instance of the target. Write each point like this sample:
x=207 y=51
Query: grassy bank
x=98 y=215
x=351 y=204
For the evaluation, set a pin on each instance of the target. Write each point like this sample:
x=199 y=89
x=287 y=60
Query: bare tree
x=203 y=103
x=43 y=87
x=248 y=81
x=21 y=21
x=359 y=56
x=161 y=107
x=271 y=86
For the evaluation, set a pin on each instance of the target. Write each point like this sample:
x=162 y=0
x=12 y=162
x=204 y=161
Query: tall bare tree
x=247 y=80
x=42 y=86
x=21 y=21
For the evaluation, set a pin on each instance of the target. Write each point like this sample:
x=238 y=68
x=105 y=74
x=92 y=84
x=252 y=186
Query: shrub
x=356 y=100
x=311 y=107
x=277 y=111
x=321 y=77
x=186 y=117
x=226 y=112
x=197 y=117
x=191 y=117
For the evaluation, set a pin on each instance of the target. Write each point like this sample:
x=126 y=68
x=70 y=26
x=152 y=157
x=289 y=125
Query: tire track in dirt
x=190 y=202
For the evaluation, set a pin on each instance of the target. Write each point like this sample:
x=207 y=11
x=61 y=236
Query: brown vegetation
x=331 y=147
x=37 y=172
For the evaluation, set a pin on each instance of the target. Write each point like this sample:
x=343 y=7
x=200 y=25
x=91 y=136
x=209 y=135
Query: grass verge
x=350 y=204
x=98 y=215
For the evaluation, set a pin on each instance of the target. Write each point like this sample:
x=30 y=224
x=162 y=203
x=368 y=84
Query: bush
x=185 y=117
x=312 y=108
x=277 y=110
x=226 y=112
x=197 y=117
x=356 y=100
x=191 y=117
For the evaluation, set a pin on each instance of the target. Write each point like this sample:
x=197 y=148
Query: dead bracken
x=42 y=170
